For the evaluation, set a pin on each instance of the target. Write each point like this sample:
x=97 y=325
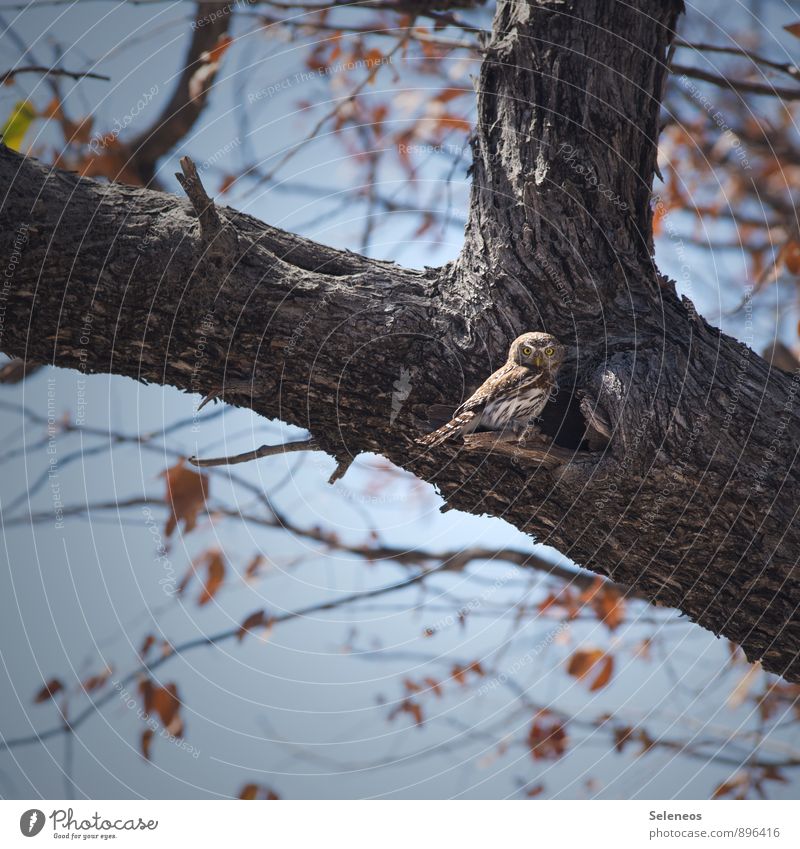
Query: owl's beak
x=537 y=362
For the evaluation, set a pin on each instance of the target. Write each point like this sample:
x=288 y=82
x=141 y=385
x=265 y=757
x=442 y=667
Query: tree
x=672 y=469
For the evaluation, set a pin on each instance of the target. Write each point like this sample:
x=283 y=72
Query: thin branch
x=452 y=560
x=788 y=68
x=207 y=215
x=257 y=453
x=7 y=76
x=739 y=86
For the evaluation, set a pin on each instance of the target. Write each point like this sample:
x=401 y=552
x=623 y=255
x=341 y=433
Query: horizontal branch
x=257 y=453
x=739 y=86
x=7 y=76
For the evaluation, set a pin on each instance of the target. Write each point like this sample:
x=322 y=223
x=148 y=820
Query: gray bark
x=693 y=500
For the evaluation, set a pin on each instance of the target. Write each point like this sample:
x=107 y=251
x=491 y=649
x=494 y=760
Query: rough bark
x=693 y=500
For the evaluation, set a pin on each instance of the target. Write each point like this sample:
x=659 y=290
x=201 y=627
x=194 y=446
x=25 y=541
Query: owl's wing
x=506 y=382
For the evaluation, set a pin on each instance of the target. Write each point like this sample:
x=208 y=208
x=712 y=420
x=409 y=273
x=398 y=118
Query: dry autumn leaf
x=414 y=709
x=147 y=644
x=547 y=737
x=585 y=661
x=147 y=740
x=186 y=496
x=94 y=682
x=737 y=784
x=791 y=256
x=254 y=620
x=165 y=703
x=622 y=736
x=258 y=791
x=604 y=676
x=254 y=566
x=49 y=690
x=214 y=563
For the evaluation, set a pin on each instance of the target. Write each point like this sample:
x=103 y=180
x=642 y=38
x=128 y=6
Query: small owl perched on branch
x=514 y=395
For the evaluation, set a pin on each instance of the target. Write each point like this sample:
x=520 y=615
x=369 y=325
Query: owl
x=514 y=395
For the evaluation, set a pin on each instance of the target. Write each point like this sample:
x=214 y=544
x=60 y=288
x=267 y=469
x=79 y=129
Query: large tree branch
x=693 y=502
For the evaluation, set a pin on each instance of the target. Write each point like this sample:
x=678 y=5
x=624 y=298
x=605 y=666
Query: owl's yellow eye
x=549 y=352
x=527 y=351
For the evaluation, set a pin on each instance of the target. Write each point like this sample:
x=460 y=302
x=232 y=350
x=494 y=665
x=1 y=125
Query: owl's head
x=537 y=350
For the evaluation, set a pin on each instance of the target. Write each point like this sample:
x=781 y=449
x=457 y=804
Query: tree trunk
x=693 y=499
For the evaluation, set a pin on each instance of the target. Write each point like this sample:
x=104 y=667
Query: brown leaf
x=258 y=791
x=609 y=605
x=227 y=181
x=254 y=566
x=604 y=676
x=216 y=52
x=622 y=736
x=165 y=702
x=147 y=739
x=791 y=256
x=448 y=94
x=793 y=29
x=254 y=620
x=411 y=707
x=772 y=773
x=214 y=562
x=149 y=642
x=646 y=740
x=738 y=784
x=94 y=682
x=52 y=110
x=77 y=131
x=434 y=686
x=49 y=690
x=535 y=791
x=186 y=496
x=547 y=737
x=582 y=661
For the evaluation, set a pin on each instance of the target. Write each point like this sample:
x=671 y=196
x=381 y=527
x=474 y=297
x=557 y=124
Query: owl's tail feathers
x=454 y=428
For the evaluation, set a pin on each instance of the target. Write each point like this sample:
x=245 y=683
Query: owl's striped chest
x=518 y=408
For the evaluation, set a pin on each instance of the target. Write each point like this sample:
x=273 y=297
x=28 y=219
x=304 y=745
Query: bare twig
x=739 y=86
x=257 y=453
x=210 y=223
x=788 y=68
x=9 y=75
